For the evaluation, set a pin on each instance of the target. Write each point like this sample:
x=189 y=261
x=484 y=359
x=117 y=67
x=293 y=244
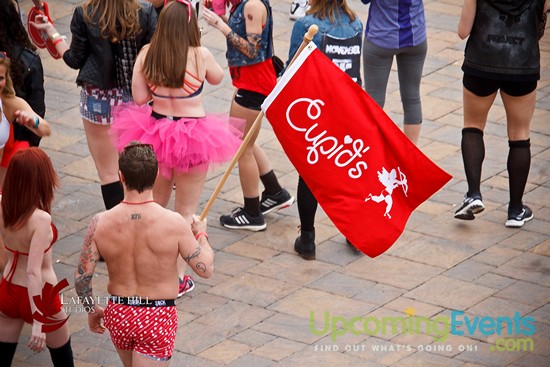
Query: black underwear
x=159 y=116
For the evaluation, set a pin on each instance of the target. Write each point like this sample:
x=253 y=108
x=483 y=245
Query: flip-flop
x=36 y=36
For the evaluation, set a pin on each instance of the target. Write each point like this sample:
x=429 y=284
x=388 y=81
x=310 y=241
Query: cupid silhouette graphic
x=390 y=181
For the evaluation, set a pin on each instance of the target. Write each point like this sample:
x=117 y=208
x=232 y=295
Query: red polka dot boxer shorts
x=147 y=328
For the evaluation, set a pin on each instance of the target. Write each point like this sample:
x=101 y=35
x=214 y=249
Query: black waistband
x=159 y=116
x=142 y=301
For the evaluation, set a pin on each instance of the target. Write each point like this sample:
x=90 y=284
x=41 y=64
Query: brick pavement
x=255 y=310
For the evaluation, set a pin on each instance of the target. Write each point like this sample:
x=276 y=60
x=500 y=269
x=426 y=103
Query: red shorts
x=14 y=301
x=150 y=331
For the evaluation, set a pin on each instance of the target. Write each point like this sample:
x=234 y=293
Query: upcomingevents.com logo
x=515 y=331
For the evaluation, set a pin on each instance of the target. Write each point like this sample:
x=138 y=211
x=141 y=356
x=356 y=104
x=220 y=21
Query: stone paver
x=255 y=310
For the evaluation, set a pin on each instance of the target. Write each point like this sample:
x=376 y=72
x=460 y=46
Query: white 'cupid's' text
x=328 y=146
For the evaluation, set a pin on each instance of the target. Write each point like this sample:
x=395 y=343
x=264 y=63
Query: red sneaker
x=187 y=284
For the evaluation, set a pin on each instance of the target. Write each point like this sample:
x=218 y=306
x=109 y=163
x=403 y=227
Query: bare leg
x=10 y=329
x=261 y=159
x=412 y=132
x=189 y=187
x=103 y=151
x=188 y=191
x=163 y=190
x=476 y=109
x=248 y=168
x=125 y=357
x=59 y=337
x=139 y=360
x=519 y=112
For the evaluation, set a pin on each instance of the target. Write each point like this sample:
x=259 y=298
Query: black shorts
x=483 y=87
x=249 y=99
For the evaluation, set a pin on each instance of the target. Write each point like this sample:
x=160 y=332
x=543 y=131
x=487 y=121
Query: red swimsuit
x=14 y=299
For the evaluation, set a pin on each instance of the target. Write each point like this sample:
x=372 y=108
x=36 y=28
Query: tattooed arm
x=195 y=249
x=255 y=15
x=83 y=274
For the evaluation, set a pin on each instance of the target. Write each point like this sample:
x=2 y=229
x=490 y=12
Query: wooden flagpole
x=308 y=37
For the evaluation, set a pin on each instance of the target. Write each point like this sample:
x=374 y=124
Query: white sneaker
x=298 y=9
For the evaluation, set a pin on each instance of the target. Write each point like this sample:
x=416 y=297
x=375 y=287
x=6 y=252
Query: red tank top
x=259 y=78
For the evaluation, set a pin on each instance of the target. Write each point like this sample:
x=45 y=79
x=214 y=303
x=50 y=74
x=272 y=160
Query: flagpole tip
x=311 y=32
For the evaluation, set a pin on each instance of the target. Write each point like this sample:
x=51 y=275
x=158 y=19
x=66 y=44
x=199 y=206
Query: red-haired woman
x=27 y=233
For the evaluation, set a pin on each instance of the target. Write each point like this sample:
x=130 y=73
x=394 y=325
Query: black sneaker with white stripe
x=517 y=218
x=272 y=202
x=471 y=205
x=240 y=219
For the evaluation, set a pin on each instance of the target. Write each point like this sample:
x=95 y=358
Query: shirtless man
x=140 y=242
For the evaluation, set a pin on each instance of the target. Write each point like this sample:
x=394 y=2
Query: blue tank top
x=396 y=24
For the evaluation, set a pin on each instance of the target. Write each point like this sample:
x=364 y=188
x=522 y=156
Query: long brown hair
x=29 y=185
x=166 y=59
x=8 y=89
x=329 y=8
x=116 y=19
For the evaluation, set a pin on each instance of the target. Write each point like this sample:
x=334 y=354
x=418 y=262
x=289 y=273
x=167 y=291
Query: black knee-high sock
x=62 y=356
x=270 y=182
x=519 y=162
x=252 y=206
x=473 y=154
x=307 y=206
x=7 y=351
x=112 y=194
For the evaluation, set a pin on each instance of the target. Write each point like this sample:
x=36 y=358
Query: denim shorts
x=96 y=104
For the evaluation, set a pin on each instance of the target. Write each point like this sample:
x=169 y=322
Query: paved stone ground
x=255 y=310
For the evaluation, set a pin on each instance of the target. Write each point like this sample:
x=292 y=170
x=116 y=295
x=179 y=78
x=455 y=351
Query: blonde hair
x=328 y=8
x=8 y=90
x=116 y=19
x=166 y=59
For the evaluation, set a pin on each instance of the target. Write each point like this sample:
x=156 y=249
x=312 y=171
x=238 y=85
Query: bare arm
x=467 y=18
x=40 y=224
x=89 y=256
x=42 y=23
x=254 y=12
x=195 y=249
x=214 y=72
x=19 y=110
x=140 y=87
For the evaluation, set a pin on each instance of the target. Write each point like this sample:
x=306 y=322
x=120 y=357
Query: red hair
x=29 y=185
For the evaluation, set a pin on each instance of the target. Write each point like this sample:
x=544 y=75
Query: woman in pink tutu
x=167 y=82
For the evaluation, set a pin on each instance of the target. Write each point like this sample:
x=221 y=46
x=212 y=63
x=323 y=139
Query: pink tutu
x=184 y=144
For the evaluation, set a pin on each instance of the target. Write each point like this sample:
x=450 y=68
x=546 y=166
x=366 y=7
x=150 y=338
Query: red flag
x=363 y=170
